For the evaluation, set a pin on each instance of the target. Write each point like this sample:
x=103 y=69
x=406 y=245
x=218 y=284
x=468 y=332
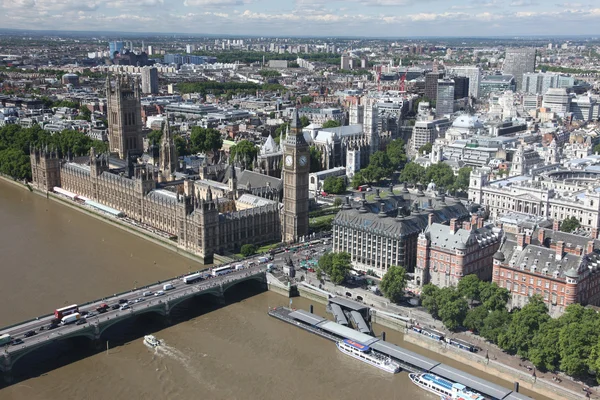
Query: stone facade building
x=562 y=268
x=124 y=116
x=446 y=253
x=385 y=232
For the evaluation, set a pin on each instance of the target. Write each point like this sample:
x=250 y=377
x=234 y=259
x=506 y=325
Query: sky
x=373 y=18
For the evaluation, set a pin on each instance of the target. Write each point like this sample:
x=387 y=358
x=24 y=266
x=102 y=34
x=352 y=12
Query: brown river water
x=53 y=256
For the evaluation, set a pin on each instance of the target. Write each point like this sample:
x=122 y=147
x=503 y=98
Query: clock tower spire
x=295 y=182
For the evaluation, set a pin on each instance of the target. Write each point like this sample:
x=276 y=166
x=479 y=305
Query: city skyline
x=309 y=17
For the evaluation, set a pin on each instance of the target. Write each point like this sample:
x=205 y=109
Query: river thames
x=54 y=256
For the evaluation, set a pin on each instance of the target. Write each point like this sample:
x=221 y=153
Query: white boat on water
x=151 y=340
x=447 y=390
x=365 y=354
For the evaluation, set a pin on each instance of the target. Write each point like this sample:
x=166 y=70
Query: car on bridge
x=125 y=306
x=81 y=321
x=29 y=334
x=115 y=306
x=17 y=342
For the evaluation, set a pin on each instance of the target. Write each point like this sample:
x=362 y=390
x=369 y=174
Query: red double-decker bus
x=61 y=312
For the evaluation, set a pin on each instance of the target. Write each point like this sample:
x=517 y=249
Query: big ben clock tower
x=296 y=166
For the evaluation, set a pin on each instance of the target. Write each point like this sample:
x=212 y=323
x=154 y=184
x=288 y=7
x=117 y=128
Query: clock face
x=288 y=161
x=303 y=160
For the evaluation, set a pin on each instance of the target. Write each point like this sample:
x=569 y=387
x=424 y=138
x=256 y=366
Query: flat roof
x=347 y=333
x=404 y=355
x=475 y=383
x=360 y=322
x=352 y=305
x=307 y=317
x=517 y=396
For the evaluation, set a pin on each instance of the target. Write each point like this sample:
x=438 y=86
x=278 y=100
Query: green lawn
x=383 y=194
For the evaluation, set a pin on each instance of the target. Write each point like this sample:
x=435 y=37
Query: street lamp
x=135 y=285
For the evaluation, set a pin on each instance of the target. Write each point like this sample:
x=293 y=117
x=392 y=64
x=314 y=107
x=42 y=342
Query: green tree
x=15 y=163
x=469 y=287
x=315 y=159
x=73 y=142
x=577 y=337
x=569 y=224
x=304 y=121
x=544 y=353
x=475 y=318
x=268 y=73
x=341 y=267
x=248 y=250
x=272 y=114
x=379 y=167
x=429 y=299
x=393 y=283
x=494 y=324
x=462 y=180
x=413 y=173
x=182 y=145
x=525 y=323
x=396 y=153
x=331 y=124
x=306 y=99
x=338 y=202
x=596 y=149
x=334 y=185
x=205 y=139
x=452 y=308
x=441 y=174
x=154 y=136
x=426 y=148
x=245 y=151
x=357 y=180
x=492 y=296
x=85 y=113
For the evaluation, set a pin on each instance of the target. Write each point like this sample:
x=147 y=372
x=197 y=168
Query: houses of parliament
x=183 y=206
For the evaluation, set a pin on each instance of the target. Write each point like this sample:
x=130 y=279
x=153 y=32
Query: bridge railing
x=108 y=298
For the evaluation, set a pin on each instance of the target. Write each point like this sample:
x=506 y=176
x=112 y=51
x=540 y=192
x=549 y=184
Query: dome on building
x=572 y=273
x=461 y=246
x=431 y=187
x=499 y=256
x=467 y=122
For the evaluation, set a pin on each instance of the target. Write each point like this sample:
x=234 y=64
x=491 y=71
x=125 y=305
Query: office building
x=447 y=253
x=445 y=97
x=190 y=48
x=582 y=108
x=345 y=62
x=115 y=47
x=188 y=59
x=517 y=62
x=557 y=100
x=539 y=82
x=471 y=72
x=496 y=83
x=431 y=84
x=560 y=267
x=532 y=102
x=426 y=131
x=461 y=87
x=384 y=232
x=150 y=50
x=149 y=80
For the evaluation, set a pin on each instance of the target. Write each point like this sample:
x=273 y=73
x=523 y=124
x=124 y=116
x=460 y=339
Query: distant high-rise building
x=149 y=80
x=540 y=82
x=461 y=87
x=150 y=50
x=345 y=62
x=431 y=84
x=496 y=83
x=190 y=48
x=474 y=75
x=115 y=47
x=517 y=62
x=445 y=97
x=557 y=100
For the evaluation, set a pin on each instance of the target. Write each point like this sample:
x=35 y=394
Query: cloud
x=523 y=3
x=133 y=3
x=215 y=3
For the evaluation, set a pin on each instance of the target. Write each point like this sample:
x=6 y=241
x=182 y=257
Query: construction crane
x=403 y=81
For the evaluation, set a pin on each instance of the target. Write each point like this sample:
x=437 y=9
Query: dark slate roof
x=551 y=236
x=257 y=180
x=367 y=216
x=441 y=236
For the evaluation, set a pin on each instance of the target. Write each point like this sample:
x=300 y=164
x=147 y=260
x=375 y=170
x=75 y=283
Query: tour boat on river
x=447 y=390
x=365 y=354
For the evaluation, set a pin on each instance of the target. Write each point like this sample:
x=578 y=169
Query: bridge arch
x=157 y=309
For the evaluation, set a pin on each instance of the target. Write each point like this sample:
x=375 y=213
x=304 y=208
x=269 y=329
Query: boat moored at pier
x=447 y=390
x=365 y=354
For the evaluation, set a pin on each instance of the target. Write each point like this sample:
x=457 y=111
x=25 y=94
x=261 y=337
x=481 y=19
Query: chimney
x=528 y=238
x=541 y=236
x=466 y=225
x=453 y=225
x=560 y=249
x=480 y=221
x=556 y=226
x=590 y=247
x=474 y=219
x=430 y=217
x=520 y=241
x=594 y=233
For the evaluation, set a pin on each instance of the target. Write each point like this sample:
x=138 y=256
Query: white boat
x=151 y=340
x=366 y=354
x=447 y=390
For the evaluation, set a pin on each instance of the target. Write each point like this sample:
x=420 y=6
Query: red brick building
x=561 y=267
x=446 y=253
